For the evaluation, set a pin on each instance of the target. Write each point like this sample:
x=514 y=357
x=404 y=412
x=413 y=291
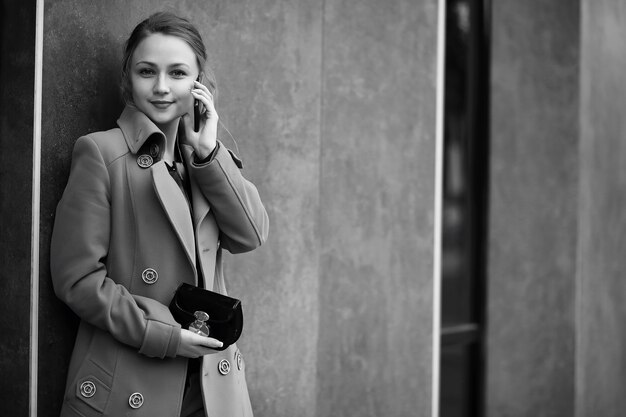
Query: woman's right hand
x=193 y=345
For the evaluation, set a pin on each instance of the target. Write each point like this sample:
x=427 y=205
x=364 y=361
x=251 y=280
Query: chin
x=160 y=118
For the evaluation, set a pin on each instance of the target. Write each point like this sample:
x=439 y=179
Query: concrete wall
x=532 y=243
x=601 y=353
x=556 y=340
x=376 y=207
x=333 y=107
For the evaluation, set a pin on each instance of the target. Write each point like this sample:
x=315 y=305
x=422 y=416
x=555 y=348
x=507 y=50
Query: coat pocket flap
x=93 y=392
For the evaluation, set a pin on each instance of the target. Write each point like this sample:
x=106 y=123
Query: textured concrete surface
x=376 y=208
x=601 y=350
x=268 y=63
x=333 y=108
x=533 y=209
x=17 y=66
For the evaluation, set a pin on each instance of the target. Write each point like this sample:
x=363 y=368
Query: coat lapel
x=198 y=201
x=175 y=205
x=137 y=128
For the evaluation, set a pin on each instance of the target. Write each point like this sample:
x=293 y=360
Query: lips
x=161 y=104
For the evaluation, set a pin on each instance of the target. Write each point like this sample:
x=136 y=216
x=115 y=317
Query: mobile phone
x=197 y=108
x=196 y=115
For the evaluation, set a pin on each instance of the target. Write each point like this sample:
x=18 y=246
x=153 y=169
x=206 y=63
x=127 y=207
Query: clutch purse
x=209 y=313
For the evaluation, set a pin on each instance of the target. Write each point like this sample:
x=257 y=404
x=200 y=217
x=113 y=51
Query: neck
x=170 y=131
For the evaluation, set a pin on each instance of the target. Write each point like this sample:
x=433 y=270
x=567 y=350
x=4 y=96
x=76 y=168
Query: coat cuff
x=220 y=152
x=209 y=157
x=160 y=340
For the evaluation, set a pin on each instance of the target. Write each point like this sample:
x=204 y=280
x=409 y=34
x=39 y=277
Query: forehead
x=161 y=49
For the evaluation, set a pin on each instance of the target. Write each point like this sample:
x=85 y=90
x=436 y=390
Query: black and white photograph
x=320 y=208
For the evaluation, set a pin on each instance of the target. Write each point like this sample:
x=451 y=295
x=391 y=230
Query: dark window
x=464 y=208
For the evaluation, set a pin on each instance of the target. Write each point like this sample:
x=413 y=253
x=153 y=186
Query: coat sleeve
x=78 y=253
x=235 y=201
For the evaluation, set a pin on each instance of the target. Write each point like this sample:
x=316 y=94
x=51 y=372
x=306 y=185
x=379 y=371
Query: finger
x=197 y=92
x=213 y=343
x=202 y=87
x=203 y=98
x=206 y=341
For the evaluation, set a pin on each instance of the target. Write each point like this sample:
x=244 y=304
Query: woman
x=148 y=206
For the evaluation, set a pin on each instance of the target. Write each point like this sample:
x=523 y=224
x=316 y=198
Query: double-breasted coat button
x=224 y=367
x=149 y=276
x=154 y=150
x=238 y=360
x=135 y=400
x=87 y=389
x=145 y=161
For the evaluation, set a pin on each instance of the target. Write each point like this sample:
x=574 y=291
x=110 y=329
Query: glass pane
x=457 y=256
x=459 y=395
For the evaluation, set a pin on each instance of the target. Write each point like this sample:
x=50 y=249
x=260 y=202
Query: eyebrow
x=178 y=64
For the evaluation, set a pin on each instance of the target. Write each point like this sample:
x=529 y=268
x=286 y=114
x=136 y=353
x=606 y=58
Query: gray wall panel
x=601 y=354
x=533 y=209
x=268 y=58
x=376 y=208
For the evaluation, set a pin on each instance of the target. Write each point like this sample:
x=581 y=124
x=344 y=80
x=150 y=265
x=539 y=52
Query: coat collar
x=137 y=128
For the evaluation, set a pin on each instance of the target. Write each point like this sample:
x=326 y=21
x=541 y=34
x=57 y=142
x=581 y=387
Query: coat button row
x=135 y=400
x=149 y=276
x=224 y=365
x=87 y=389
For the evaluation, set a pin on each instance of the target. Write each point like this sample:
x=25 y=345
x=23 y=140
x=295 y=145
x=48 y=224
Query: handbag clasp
x=199 y=326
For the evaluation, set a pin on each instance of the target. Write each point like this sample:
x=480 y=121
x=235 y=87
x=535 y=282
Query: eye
x=146 y=72
x=178 y=73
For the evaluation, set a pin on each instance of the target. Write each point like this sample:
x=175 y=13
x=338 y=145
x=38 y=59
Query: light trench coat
x=124 y=239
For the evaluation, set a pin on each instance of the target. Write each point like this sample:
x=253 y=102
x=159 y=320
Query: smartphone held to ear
x=197 y=108
x=196 y=115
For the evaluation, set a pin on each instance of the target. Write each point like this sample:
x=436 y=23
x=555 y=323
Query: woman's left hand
x=205 y=139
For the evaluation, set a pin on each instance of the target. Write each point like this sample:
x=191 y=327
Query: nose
x=160 y=85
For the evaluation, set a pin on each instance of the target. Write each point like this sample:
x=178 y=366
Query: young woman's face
x=163 y=69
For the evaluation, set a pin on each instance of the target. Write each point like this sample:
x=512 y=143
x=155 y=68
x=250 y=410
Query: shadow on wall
x=81 y=72
x=87 y=99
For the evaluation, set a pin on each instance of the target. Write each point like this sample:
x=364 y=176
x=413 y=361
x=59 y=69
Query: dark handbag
x=225 y=320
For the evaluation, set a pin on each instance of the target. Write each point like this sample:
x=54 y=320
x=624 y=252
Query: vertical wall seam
x=579 y=372
x=34 y=270
x=438 y=204
x=319 y=195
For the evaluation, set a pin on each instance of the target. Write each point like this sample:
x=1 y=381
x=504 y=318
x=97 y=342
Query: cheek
x=138 y=87
x=184 y=93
